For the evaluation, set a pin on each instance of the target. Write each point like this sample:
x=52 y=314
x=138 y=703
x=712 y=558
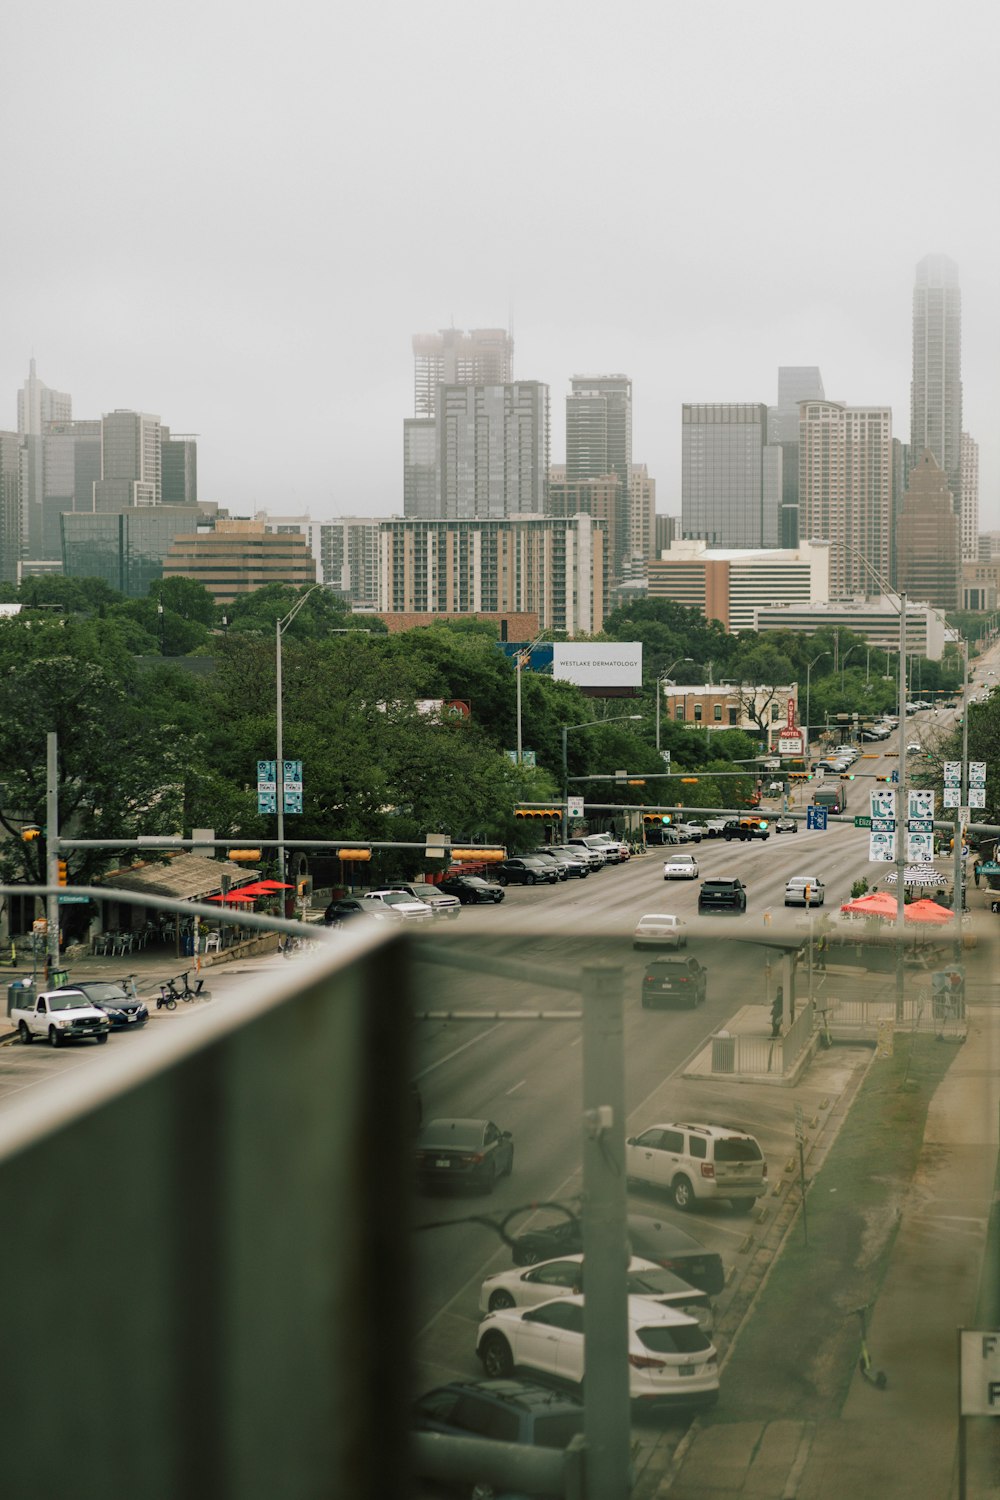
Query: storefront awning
x=185 y=877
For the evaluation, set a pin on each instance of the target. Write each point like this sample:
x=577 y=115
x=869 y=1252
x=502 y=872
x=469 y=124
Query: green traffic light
x=666 y=817
x=763 y=823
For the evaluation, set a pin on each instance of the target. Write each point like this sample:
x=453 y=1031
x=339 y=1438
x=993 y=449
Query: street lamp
x=587 y=724
x=809 y=667
x=521 y=660
x=661 y=679
x=280 y=626
x=843 y=667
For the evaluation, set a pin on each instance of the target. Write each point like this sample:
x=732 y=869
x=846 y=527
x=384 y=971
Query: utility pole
x=51 y=852
x=606 y=1418
x=958 y=898
x=901 y=812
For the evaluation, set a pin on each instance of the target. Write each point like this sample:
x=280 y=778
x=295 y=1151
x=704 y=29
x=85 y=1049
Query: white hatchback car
x=671 y=1361
x=660 y=930
x=805 y=890
x=527 y=1286
x=680 y=867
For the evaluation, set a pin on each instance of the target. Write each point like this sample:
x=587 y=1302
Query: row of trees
x=154 y=739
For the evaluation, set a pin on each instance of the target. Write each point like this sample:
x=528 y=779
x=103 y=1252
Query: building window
x=679 y=710
x=717 y=713
x=732 y=715
x=697 y=713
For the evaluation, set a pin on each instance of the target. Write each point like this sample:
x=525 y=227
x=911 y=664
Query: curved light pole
x=662 y=678
x=587 y=724
x=809 y=667
x=843 y=667
x=280 y=626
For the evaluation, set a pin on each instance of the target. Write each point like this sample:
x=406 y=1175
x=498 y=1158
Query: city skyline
x=253 y=266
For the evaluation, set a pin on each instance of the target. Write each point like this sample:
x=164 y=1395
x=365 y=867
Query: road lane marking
x=517 y=1086
x=470 y=1043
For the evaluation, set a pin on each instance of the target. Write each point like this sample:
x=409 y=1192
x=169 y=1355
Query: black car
x=785 y=825
x=508 y=1411
x=471 y=889
x=745 y=828
x=124 y=1011
x=674 y=981
x=724 y=893
x=572 y=865
x=664 y=1244
x=526 y=871
x=467 y=1153
x=346 y=908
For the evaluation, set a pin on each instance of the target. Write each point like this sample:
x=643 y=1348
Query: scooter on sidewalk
x=878 y=1378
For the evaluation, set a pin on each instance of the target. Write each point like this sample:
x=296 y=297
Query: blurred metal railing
x=207 y=1247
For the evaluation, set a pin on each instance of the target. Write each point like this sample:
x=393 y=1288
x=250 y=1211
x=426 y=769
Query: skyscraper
x=928 y=567
x=796 y=383
x=969 y=458
x=936 y=390
x=599 y=443
x=483 y=356
x=730 y=475
x=492 y=450
x=845 y=490
x=178 y=468
x=37 y=404
x=130 y=461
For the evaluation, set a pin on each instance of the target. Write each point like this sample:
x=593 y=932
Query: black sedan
x=785 y=825
x=526 y=871
x=347 y=908
x=471 y=889
x=652 y=1239
x=124 y=1011
x=468 y=1153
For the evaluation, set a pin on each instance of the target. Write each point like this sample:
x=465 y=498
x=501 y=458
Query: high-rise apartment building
x=599 y=442
x=969 y=484
x=936 y=389
x=845 y=490
x=349 y=558
x=420 y=476
x=38 y=404
x=130 y=461
x=11 y=548
x=928 y=564
x=642 y=512
x=730 y=476
x=542 y=565
x=796 y=383
x=492 y=450
x=601 y=498
x=483 y=356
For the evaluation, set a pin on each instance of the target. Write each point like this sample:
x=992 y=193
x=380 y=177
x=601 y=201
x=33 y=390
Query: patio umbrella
x=875 y=904
x=917 y=875
x=236 y=897
x=926 y=910
x=272 y=885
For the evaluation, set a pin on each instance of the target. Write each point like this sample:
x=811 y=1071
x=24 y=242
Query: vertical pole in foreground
x=901 y=813
x=958 y=839
x=605 y=1242
x=279 y=769
x=51 y=852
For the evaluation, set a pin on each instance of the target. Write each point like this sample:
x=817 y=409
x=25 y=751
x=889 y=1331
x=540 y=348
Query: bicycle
x=187 y=993
x=878 y=1378
x=167 y=1000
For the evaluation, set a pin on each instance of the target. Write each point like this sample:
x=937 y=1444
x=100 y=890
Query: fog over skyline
x=236 y=217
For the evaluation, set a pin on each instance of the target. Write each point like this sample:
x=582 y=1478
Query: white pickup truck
x=61 y=1016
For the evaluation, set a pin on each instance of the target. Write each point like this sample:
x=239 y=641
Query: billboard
x=613 y=664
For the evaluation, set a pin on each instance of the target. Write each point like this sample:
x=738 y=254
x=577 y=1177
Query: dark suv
x=725 y=893
x=674 y=981
x=745 y=828
x=508 y=1411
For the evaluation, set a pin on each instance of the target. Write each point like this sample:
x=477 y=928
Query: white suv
x=698 y=1161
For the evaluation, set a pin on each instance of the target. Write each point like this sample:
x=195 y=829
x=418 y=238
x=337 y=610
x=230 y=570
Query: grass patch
x=797 y=1351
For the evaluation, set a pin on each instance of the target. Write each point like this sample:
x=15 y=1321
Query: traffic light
x=30 y=831
x=533 y=812
x=762 y=823
x=61 y=875
x=689 y=781
x=847 y=775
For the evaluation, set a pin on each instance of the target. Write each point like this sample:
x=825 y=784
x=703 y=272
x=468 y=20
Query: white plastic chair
x=213 y=942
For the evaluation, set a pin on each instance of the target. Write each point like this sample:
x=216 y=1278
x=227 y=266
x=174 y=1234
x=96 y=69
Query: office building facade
x=178 y=468
x=876 y=619
x=796 y=383
x=969 y=484
x=599 y=443
x=928 y=553
x=729 y=585
x=845 y=490
x=236 y=557
x=492 y=450
x=126 y=548
x=420 y=474
x=131 y=466
x=730 y=480
x=542 y=565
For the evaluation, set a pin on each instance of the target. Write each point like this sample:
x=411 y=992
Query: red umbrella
x=272 y=885
x=875 y=904
x=927 y=910
x=236 y=896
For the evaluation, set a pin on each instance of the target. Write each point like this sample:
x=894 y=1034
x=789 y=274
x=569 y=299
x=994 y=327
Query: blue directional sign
x=816 y=817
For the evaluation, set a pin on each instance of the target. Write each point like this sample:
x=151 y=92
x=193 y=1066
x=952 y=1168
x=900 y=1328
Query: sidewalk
x=900 y=1442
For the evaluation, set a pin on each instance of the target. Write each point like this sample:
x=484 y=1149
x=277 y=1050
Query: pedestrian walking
x=777 y=1011
x=975 y=872
x=822 y=943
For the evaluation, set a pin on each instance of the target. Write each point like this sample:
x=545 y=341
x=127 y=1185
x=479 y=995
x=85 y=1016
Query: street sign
x=977 y=773
x=816 y=817
x=920 y=825
x=979 y=1372
x=883 y=825
x=862 y=822
x=64 y=900
x=665 y=756
x=574 y=807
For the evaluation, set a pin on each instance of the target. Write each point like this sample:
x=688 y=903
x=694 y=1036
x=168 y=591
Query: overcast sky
x=236 y=215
